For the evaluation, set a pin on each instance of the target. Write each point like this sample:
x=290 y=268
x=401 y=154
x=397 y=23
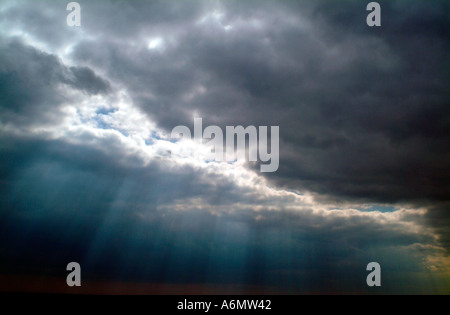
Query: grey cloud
x=86 y=79
x=29 y=81
x=363 y=115
x=76 y=198
x=44 y=21
x=358 y=108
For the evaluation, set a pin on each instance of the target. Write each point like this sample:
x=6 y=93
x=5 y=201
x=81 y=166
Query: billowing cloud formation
x=88 y=171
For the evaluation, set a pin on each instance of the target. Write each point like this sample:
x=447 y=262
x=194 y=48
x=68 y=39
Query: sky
x=89 y=171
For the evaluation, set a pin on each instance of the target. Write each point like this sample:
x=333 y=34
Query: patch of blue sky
x=154 y=136
x=379 y=208
x=102 y=124
x=106 y=111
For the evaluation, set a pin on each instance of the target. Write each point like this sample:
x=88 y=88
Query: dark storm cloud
x=84 y=206
x=363 y=115
x=86 y=79
x=29 y=82
x=359 y=108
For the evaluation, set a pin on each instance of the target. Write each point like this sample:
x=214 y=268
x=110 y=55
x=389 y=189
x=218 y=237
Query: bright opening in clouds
x=89 y=171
